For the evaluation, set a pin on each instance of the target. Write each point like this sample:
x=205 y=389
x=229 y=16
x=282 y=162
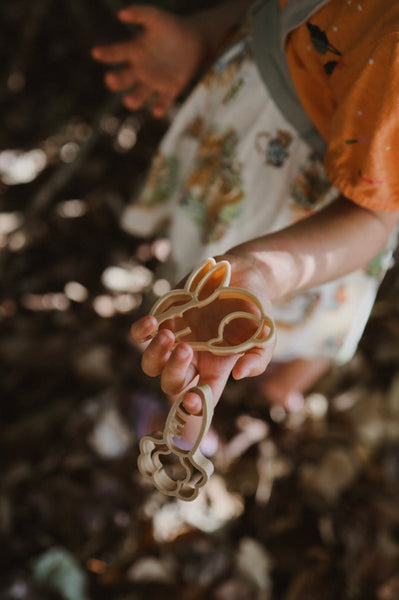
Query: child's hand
x=158 y=62
x=180 y=365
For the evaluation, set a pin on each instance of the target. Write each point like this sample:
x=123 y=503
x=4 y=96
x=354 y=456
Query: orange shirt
x=344 y=63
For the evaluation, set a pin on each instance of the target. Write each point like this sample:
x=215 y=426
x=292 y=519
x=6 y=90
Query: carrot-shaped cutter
x=189 y=462
x=214 y=278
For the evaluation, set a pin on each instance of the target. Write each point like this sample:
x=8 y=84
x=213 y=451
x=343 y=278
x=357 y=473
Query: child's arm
x=166 y=54
x=323 y=247
x=331 y=243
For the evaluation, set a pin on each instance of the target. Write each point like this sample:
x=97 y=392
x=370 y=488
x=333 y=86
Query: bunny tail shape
x=190 y=462
x=208 y=282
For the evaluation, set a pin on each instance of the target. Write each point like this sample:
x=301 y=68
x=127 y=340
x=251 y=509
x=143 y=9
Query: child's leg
x=286 y=383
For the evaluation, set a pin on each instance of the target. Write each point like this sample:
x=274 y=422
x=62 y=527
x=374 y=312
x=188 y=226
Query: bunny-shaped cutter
x=217 y=277
x=214 y=277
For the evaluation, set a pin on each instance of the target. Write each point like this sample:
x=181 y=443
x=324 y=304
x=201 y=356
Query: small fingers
x=138 y=97
x=162 y=105
x=120 y=80
x=252 y=363
x=192 y=403
x=143 y=329
x=178 y=371
x=114 y=53
x=158 y=352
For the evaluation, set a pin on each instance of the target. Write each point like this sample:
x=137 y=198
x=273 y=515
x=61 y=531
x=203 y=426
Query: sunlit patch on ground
x=17 y=166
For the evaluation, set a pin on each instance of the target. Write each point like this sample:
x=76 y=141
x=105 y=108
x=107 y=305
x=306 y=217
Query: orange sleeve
x=362 y=158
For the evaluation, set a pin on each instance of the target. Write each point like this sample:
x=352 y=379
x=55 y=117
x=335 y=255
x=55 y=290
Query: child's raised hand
x=178 y=364
x=158 y=62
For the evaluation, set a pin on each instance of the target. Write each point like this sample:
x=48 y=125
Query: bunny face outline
x=159 y=444
x=176 y=302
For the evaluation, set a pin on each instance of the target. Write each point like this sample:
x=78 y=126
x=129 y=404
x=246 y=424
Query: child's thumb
x=252 y=363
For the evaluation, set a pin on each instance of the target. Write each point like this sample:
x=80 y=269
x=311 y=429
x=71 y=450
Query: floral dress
x=231 y=168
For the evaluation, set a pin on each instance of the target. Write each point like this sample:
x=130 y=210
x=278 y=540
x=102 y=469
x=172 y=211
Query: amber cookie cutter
x=207 y=283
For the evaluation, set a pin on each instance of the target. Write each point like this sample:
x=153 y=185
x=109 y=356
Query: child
x=240 y=173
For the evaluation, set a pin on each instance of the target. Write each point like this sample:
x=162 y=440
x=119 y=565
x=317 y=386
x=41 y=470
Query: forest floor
x=302 y=506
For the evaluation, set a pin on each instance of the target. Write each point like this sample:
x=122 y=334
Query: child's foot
x=287 y=383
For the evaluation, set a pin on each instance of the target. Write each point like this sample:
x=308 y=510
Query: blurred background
x=302 y=506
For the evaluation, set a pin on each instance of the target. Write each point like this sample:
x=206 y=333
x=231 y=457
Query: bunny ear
x=215 y=280
x=198 y=274
x=208 y=278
